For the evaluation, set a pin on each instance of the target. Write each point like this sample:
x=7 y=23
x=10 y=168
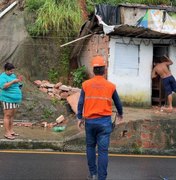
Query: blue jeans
x=98 y=134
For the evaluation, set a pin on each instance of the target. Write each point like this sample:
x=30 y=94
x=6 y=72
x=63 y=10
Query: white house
x=130 y=49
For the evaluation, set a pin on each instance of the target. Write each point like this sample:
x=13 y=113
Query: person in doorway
x=95 y=105
x=10 y=96
x=162 y=69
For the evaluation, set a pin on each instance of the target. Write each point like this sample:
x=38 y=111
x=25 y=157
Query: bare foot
x=168 y=110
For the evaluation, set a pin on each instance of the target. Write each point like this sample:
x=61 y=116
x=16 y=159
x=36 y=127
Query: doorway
x=158 y=93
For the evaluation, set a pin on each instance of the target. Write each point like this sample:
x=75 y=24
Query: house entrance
x=158 y=93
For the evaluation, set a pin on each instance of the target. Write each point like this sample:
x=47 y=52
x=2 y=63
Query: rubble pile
x=57 y=90
x=60 y=91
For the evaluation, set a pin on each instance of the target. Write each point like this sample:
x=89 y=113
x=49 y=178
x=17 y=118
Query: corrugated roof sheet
x=140 y=32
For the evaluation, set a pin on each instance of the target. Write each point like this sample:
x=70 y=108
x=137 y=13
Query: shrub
x=79 y=75
x=34 y=5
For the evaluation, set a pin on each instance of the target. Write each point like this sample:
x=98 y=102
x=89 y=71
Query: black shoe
x=92 y=177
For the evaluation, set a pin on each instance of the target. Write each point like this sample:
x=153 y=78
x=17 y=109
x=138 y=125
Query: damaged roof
x=140 y=32
x=93 y=26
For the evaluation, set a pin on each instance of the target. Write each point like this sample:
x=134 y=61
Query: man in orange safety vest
x=95 y=106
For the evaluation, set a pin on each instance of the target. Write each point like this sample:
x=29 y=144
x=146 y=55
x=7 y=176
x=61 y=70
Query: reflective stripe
x=98 y=97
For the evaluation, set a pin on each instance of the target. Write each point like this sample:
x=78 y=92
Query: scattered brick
x=65 y=88
x=38 y=83
x=43 y=89
x=64 y=95
x=60 y=119
x=146 y=144
x=44 y=124
x=26 y=124
x=58 y=85
x=145 y=136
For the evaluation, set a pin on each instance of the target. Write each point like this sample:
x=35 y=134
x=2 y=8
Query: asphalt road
x=32 y=165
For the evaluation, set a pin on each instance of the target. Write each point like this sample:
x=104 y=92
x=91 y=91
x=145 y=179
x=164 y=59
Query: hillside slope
x=33 y=58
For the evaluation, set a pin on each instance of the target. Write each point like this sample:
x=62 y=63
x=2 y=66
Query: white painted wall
x=172 y=55
x=133 y=88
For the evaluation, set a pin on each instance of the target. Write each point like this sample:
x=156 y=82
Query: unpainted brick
x=145 y=136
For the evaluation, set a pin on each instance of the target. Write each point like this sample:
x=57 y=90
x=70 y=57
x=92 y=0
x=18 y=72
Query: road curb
x=31 y=144
x=73 y=146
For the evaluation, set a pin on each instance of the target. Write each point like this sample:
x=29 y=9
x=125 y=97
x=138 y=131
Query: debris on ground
x=59 y=125
x=25 y=124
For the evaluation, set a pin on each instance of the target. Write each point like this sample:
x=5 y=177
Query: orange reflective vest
x=98 y=97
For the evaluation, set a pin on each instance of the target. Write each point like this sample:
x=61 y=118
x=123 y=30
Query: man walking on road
x=169 y=82
x=95 y=103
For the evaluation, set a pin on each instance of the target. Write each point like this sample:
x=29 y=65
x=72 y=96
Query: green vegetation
x=34 y=5
x=64 y=61
x=62 y=17
x=47 y=113
x=54 y=101
x=136 y=149
x=60 y=73
x=53 y=75
x=79 y=75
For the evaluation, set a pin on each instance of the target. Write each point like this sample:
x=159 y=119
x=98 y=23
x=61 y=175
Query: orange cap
x=98 y=61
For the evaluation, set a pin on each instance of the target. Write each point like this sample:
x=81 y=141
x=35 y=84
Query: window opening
x=126 y=59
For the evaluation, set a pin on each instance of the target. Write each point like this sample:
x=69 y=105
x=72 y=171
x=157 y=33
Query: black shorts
x=7 y=105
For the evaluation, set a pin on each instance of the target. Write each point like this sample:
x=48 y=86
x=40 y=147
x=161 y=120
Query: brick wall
x=96 y=45
x=145 y=135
